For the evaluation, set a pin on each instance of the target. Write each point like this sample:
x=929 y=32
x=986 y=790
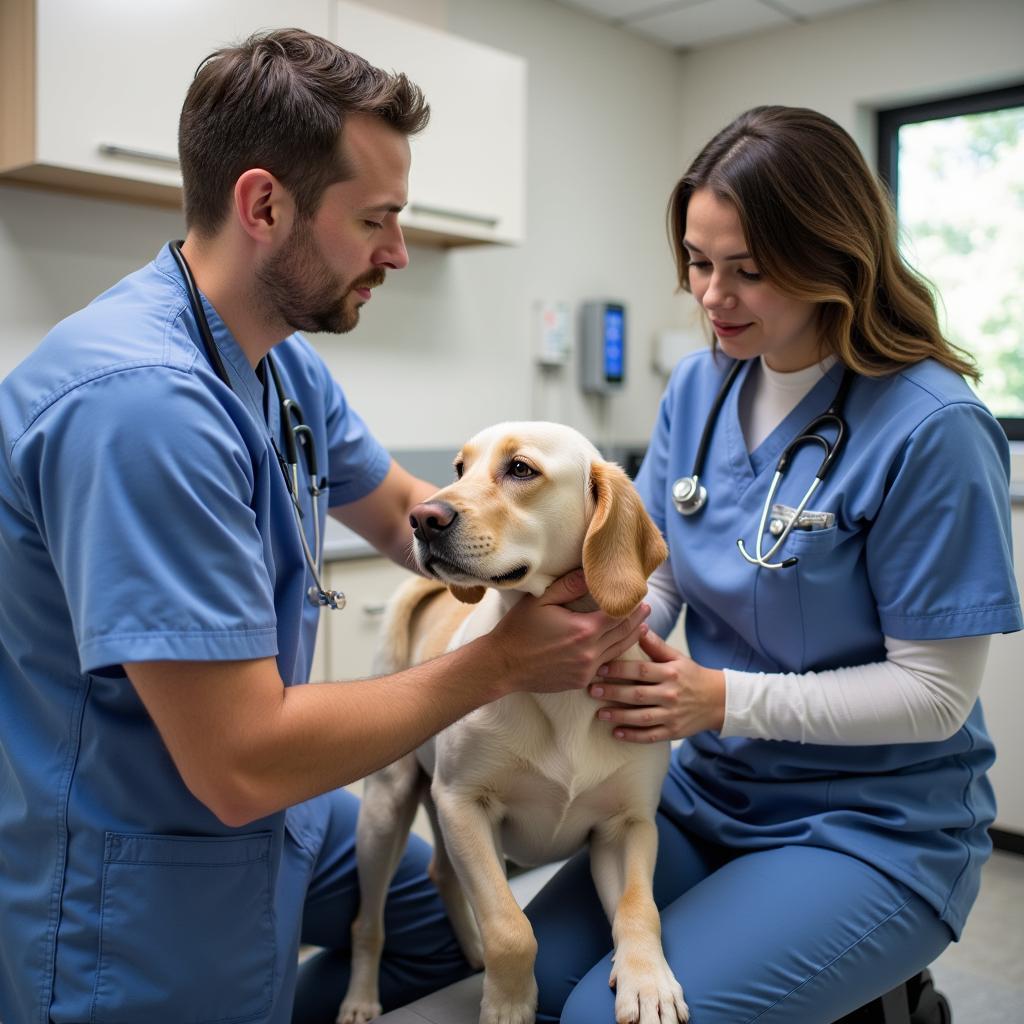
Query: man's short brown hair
x=279 y=101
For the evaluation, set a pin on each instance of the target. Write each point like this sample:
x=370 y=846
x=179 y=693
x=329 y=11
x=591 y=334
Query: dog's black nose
x=431 y=518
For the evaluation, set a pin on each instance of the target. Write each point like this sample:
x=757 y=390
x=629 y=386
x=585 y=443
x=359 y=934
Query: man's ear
x=622 y=546
x=467 y=595
x=264 y=208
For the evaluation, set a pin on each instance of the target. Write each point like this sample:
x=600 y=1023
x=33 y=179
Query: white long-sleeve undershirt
x=922 y=692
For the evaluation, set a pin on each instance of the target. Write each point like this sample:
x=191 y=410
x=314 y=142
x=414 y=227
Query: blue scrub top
x=144 y=516
x=920 y=550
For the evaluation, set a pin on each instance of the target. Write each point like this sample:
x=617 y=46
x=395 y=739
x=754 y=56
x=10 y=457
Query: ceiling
x=690 y=24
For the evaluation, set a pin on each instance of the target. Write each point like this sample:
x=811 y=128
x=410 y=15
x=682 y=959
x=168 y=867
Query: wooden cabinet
x=90 y=92
x=468 y=176
x=348 y=638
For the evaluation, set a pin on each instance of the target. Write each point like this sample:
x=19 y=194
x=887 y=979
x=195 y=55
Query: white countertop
x=340 y=543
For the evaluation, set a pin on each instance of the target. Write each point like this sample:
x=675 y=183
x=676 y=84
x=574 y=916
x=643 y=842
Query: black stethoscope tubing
x=297 y=434
x=689 y=495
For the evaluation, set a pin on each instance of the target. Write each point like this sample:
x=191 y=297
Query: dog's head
x=532 y=502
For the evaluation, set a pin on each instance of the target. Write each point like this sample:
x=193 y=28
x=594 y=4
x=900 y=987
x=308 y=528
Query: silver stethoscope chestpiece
x=320 y=598
x=689 y=495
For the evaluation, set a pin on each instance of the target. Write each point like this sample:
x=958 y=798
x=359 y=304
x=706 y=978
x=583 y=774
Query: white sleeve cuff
x=922 y=692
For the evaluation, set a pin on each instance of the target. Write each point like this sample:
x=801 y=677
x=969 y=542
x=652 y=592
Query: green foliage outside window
x=961 y=210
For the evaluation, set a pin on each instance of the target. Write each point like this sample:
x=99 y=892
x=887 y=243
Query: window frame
x=889 y=122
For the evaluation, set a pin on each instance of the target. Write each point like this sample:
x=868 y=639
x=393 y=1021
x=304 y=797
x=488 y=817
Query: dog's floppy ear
x=622 y=546
x=467 y=595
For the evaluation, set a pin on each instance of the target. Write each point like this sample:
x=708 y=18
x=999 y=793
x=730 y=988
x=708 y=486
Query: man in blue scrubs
x=170 y=821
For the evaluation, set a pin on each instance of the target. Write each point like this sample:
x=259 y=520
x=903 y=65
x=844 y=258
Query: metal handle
x=127 y=153
x=437 y=211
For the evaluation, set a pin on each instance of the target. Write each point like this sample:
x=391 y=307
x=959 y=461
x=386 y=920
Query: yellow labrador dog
x=531 y=777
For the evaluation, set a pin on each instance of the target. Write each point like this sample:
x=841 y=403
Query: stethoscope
x=689 y=495
x=297 y=434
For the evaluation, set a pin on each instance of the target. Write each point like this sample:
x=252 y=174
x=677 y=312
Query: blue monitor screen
x=614 y=342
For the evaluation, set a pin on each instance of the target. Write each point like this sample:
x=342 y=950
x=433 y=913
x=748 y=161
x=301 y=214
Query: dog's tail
x=394 y=650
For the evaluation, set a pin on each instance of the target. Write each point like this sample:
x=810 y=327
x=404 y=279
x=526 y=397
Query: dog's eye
x=458 y=470
x=521 y=470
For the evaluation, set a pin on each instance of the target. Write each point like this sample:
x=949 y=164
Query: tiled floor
x=983 y=974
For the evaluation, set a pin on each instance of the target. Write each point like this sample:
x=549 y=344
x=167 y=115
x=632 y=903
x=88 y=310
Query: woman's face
x=749 y=316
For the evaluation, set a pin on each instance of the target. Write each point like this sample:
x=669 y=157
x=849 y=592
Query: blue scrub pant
x=421 y=953
x=797 y=934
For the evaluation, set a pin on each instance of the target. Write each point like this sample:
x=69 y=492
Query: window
x=956 y=171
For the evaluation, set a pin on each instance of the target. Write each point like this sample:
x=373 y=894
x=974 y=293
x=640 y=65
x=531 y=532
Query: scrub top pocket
x=186 y=930
x=784 y=599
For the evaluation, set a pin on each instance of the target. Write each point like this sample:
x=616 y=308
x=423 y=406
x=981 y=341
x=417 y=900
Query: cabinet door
x=349 y=637
x=111 y=77
x=1003 y=701
x=468 y=165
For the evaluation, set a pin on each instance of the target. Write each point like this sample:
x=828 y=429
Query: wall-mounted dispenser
x=602 y=347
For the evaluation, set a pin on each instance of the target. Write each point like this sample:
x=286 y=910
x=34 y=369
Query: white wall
x=1002 y=694
x=58 y=252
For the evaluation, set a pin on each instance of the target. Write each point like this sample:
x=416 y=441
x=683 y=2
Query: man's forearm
x=327 y=735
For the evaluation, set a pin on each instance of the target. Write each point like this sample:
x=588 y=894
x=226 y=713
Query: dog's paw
x=518 y=1006
x=646 y=992
x=504 y=1012
x=355 y=1011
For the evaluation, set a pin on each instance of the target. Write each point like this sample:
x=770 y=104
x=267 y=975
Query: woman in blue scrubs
x=823 y=824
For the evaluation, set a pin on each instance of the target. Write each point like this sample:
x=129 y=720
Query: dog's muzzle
x=430 y=520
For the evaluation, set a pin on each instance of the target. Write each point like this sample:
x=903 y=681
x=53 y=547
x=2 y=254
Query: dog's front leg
x=446 y=878
x=390 y=798
x=509 y=947
x=622 y=855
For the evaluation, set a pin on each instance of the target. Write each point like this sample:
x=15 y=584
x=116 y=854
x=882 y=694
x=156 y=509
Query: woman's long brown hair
x=821 y=228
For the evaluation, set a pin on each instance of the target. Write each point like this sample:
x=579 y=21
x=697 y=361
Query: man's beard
x=296 y=286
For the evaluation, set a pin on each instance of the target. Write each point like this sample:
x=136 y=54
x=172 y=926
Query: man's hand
x=547 y=648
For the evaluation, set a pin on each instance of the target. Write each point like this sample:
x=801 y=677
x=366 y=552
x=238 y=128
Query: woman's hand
x=667 y=698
